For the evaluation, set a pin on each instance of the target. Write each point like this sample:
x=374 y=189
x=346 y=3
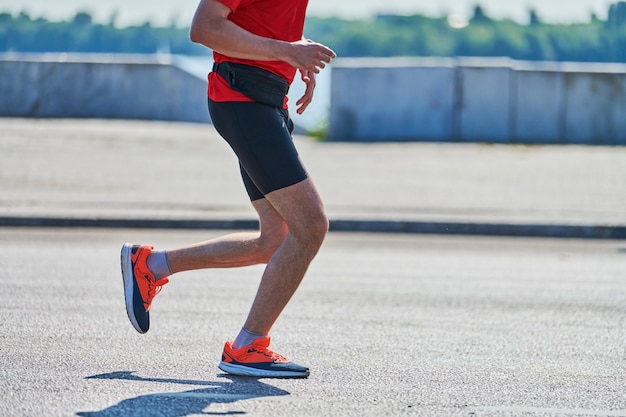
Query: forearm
x=211 y=28
x=221 y=35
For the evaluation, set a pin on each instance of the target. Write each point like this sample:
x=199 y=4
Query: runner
x=258 y=49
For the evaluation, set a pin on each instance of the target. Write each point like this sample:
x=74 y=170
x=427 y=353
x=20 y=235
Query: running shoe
x=140 y=286
x=258 y=360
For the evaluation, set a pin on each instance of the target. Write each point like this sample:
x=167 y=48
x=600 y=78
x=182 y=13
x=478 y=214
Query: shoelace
x=269 y=353
x=154 y=287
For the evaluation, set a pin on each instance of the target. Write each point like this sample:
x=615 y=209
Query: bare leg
x=293 y=227
x=302 y=210
x=234 y=250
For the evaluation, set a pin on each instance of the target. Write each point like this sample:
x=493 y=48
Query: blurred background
x=527 y=49
x=140 y=11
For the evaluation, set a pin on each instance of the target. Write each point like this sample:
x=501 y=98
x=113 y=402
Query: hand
x=310 y=56
x=309 y=80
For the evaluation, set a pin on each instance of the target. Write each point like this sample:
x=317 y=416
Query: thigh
x=271 y=224
x=260 y=136
x=301 y=207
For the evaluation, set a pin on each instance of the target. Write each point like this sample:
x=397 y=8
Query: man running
x=257 y=47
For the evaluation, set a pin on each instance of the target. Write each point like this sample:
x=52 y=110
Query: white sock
x=245 y=338
x=158 y=264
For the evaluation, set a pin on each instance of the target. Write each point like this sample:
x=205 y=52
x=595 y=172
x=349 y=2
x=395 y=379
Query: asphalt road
x=119 y=172
x=389 y=324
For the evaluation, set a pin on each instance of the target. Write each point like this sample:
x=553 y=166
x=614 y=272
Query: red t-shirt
x=276 y=19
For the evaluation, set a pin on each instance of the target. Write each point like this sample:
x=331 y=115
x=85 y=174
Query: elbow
x=198 y=31
x=200 y=35
x=194 y=34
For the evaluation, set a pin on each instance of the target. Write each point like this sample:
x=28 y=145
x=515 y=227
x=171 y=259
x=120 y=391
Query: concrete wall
x=490 y=100
x=97 y=86
x=402 y=101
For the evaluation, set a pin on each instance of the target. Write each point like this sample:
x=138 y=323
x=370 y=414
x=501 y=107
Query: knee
x=310 y=235
x=269 y=241
x=321 y=229
x=313 y=231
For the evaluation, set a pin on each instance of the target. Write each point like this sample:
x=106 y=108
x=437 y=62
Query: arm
x=210 y=27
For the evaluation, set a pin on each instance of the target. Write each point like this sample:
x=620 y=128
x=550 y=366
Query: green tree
x=533 y=18
x=479 y=15
x=382 y=36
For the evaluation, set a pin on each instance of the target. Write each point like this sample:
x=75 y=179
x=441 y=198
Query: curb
x=365 y=226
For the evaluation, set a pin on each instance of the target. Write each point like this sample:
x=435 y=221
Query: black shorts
x=260 y=136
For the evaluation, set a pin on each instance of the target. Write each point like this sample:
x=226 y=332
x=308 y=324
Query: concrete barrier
x=471 y=99
x=380 y=99
x=484 y=109
x=595 y=107
x=100 y=86
x=401 y=101
x=538 y=111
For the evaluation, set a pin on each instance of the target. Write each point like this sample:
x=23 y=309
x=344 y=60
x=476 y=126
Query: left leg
x=237 y=249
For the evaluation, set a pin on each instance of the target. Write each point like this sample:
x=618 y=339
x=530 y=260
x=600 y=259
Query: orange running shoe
x=258 y=360
x=140 y=286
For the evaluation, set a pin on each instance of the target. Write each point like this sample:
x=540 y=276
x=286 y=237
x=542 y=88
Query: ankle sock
x=245 y=338
x=158 y=264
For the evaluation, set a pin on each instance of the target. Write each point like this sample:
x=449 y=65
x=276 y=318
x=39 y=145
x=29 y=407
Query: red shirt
x=276 y=19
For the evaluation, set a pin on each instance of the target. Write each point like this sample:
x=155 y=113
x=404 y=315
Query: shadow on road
x=180 y=404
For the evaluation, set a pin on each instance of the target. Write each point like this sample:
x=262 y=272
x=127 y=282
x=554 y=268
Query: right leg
x=261 y=139
x=302 y=208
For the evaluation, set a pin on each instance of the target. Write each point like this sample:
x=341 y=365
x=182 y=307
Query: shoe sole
x=242 y=370
x=129 y=285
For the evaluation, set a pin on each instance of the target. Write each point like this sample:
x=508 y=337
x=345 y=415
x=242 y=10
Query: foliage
x=420 y=36
x=383 y=36
x=81 y=34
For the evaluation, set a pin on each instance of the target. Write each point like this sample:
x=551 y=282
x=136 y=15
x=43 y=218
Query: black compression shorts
x=260 y=136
